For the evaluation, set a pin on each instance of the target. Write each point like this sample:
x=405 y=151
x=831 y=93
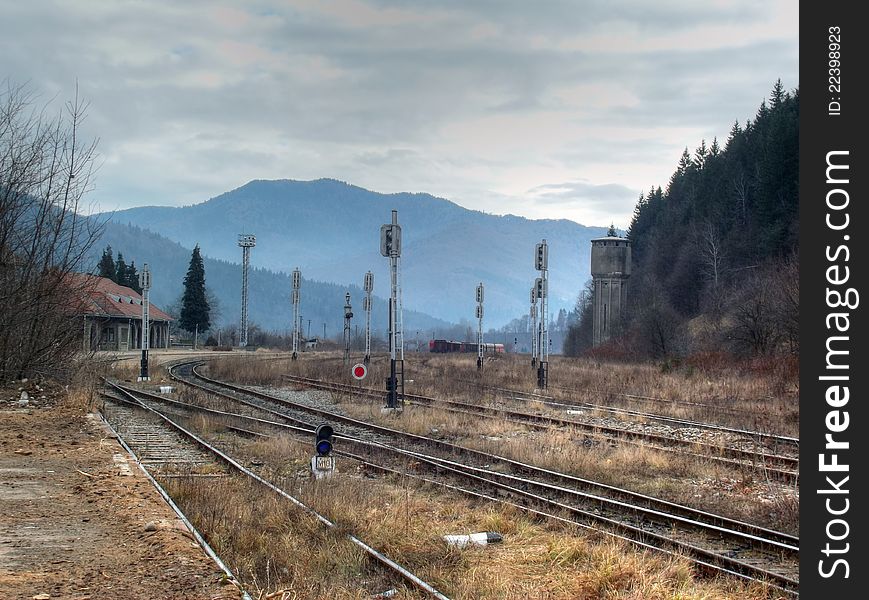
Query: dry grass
x=274 y=546
x=674 y=477
x=679 y=478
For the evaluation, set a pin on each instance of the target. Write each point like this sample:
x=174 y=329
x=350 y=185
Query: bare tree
x=712 y=251
x=45 y=171
x=786 y=295
x=740 y=185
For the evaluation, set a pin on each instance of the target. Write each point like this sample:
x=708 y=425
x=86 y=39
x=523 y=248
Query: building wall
x=122 y=334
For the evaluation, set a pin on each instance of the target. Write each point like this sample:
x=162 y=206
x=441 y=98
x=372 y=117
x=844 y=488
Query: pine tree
x=121 y=271
x=133 y=278
x=195 y=311
x=777 y=95
x=106 y=266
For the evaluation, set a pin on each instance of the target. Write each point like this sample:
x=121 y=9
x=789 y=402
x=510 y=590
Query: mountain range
x=331 y=231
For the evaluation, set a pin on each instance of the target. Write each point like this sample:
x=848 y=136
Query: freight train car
x=450 y=346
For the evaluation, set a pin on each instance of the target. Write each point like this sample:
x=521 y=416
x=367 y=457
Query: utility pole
x=368 y=287
x=145 y=284
x=541 y=263
x=480 y=327
x=348 y=314
x=297 y=284
x=390 y=247
x=245 y=242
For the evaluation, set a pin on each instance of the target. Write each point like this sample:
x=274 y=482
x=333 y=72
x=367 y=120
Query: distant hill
x=331 y=231
x=269 y=307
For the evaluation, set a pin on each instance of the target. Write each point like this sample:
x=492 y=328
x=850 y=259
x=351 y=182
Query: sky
x=550 y=109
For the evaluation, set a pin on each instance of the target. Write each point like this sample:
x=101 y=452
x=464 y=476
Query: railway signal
x=368 y=287
x=390 y=247
x=324 y=434
x=145 y=284
x=480 y=327
x=533 y=323
x=541 y=263
x=297 y=325
x=541 y=256
x=348 y=314
x=323 y=464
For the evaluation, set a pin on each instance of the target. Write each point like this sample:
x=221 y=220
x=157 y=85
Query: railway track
x=716 y=543
x=775 y=466
x=156 y=434
x=772 y=439
x=644 y=399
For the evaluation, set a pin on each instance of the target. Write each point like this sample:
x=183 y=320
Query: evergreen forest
x=714 y=255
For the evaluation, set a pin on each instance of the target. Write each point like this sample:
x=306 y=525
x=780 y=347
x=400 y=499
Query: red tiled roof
x=105 y=298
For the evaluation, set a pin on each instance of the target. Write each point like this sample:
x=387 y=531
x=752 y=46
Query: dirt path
x=73 y=517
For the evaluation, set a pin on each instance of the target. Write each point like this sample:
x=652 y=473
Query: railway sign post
x=145 y=284
x=359 y=371
x=323 y=463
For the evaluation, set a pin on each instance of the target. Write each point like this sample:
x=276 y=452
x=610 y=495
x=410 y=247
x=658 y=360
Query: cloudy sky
x=551 y=109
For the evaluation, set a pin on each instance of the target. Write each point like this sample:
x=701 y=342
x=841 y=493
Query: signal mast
x=145 y=284
x=368 y=287
x=390 y=247
x=480 y=327
x=297 y=325
x=541 y=263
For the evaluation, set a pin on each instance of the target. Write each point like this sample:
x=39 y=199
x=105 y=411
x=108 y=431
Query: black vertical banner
x=834 y=422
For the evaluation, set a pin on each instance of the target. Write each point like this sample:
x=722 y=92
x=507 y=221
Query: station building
x=112 y=316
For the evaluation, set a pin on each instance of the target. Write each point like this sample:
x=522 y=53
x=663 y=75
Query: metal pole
x=544 y=323
x=297 y=318
x=542 y=285
x=390 y=247
x=533 y=327
x=348 y=314
x=245 y=242
x=145 y=284
x=480 y=327
x=368 y=286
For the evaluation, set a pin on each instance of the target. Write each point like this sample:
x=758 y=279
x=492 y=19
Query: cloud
x=474 y=101
x=609 y=195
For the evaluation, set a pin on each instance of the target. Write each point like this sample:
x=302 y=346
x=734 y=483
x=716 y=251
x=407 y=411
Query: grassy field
x=273 y=546
x=741 y=494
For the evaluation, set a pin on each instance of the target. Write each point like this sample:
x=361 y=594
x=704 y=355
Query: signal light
x=390 y=240
x=324 y=440
x=540 y=288
x=541 y=255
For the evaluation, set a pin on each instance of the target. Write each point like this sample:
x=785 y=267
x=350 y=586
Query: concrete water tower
x=610 y=271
